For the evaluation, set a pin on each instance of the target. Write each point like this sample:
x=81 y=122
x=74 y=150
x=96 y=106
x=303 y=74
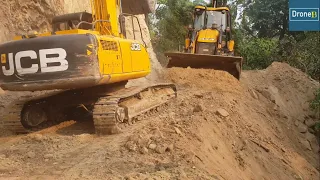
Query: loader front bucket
x=231 y=64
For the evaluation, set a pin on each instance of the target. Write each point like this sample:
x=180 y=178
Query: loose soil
x=217 y=128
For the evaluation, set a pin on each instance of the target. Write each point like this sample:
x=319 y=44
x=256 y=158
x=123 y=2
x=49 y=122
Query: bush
x=315 y=104
x=258 y=53
x=302 y=52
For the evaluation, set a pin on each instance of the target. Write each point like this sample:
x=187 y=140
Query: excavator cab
x=209 y=43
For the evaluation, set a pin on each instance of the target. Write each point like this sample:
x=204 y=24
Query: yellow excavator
x=209 y=43
x=80 y=69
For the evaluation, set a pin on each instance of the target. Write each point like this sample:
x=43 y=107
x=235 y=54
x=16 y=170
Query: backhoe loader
x=209 y=42
x=80 y=69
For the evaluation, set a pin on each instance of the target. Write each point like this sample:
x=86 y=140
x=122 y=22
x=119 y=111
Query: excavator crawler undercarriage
x=108 y=106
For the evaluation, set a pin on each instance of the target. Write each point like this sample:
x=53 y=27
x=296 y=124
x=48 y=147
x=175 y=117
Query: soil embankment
x=218 y=128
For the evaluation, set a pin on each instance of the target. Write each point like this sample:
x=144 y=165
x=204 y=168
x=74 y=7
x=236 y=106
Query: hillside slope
x=21 y=17
x=218 y=128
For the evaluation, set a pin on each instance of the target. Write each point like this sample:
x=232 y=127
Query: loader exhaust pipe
x=214 y=3
x=221 y=3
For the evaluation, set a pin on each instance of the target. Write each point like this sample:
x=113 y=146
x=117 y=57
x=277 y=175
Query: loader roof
x=212 y=8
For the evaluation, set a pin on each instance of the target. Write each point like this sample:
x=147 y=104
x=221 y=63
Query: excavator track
x=11 y=118
x=110 y=108
x=122 y=106
x=104 y=115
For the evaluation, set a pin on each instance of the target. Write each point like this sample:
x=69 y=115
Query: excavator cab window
x=82 y=20
x=68 y=25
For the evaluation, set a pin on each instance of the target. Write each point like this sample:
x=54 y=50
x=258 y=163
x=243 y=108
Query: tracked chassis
x=108 y=106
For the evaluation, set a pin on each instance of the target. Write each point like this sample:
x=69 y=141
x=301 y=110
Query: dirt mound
x=255 y=134
x=205 y=79
x=287 y=92
x=289 y=88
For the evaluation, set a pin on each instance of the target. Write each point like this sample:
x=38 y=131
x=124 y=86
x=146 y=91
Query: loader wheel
x=33 y=115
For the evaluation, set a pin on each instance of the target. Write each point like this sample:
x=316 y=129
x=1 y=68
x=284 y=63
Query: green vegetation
x=315 y=104
x=258 y=52
x=169 y=24
x=261 y=33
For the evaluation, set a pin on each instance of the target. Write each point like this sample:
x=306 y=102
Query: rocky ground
x=218 y=128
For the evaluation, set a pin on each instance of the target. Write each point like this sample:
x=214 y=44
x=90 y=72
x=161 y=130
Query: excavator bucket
x=231 y=64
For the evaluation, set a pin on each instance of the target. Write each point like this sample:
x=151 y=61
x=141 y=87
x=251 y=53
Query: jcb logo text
x=51 y=60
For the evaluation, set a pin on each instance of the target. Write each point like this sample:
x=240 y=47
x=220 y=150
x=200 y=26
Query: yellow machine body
x=209 y=43
x=118 y=59
x=208 y=36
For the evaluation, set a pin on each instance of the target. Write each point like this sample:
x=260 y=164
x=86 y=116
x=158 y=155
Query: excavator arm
x=106 y=13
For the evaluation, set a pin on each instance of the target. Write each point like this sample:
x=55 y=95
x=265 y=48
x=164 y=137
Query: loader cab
x=211 y=33
x=208 y=18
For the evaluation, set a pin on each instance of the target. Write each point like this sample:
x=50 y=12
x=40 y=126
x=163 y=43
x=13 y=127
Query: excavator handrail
x=84 y=22
x=92 y=24
x=134 y=35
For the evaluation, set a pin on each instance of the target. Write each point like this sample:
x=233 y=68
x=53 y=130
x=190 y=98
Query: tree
x=265 y=23
x=261 y=36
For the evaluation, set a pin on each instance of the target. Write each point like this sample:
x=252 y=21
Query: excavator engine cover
x=231 y=64
x=52 y=62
